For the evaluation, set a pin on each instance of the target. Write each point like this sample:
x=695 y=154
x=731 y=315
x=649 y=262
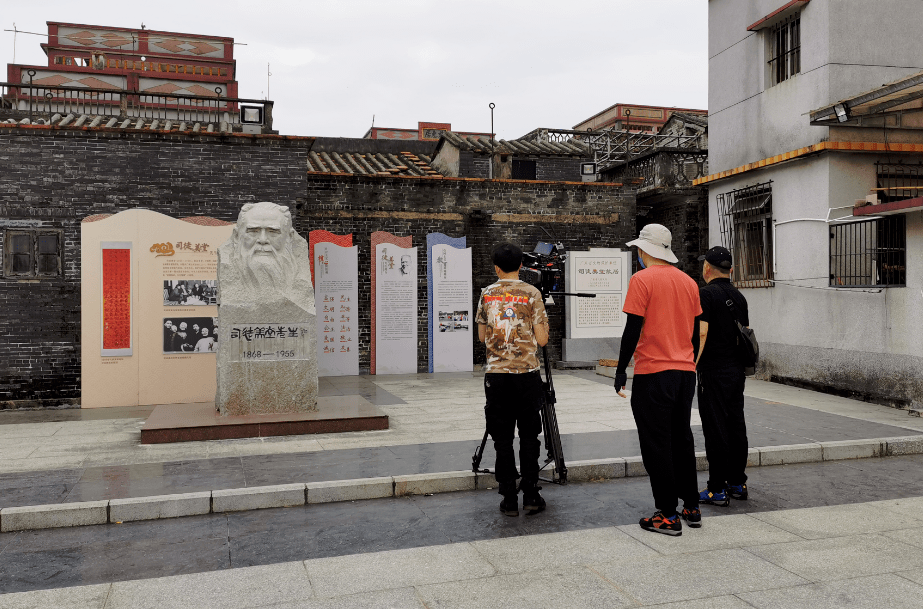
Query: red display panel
x=116 y=299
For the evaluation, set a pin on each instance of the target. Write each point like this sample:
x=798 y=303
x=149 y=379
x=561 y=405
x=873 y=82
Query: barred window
x=745 y=223
x=869 y=253
x=785 y=49
x=32 y=253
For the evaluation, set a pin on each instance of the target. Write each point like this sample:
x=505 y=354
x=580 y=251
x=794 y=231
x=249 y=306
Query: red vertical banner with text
x=116 y=301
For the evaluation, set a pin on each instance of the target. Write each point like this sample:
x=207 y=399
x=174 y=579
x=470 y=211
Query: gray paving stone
x=909 y=506
x=566 y=549
x=401 y=598
x=716 y=533
x=350 y=490
x=838 y=520
x=872 y=592
x=634 y=467
x=550 y=589
x=842 y=558
x=793 y=453
x=160 y=506
x=424 y=484
x=258 y=497
x=910 y=445
x=753 y=457
x=337 y=576
x=485 y=482
x=241 y=587
x=852 y=449
x=721 y=572
x=53 y=515
x=595 y=469
x=715 y=602
x=77 y=597
x=914 y=575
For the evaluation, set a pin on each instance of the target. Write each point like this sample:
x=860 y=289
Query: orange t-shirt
x=668 y=299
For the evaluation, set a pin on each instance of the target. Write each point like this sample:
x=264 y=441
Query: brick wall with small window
x=32 y=253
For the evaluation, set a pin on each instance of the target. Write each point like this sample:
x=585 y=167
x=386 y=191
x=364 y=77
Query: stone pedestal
x=267 y=359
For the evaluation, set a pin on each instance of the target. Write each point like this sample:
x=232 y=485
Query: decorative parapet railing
x=34 y=102
x=663 y=168
x=612 y=146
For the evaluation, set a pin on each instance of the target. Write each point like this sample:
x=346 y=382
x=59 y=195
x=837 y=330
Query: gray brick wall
x=56 y=177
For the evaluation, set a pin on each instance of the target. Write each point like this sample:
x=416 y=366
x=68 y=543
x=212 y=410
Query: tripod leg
x=479 y=454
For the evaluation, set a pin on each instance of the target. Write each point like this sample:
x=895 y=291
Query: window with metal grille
x=869 y=253
x=523 y=169
x=32 y=253
x=899 y=181
x=745 y=223
x=785 y=49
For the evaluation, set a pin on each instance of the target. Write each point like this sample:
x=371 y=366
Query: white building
x=802 y=125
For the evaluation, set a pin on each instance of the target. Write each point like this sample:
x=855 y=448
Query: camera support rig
x=543 y=273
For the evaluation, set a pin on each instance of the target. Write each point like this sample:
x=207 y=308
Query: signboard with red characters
x=116 y=309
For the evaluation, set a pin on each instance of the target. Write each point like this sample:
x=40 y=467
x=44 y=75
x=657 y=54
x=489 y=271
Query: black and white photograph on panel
x=190 y=334
x=190 y=292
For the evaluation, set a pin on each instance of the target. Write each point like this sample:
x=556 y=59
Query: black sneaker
x=510 y=505
x=532 y=501
x=737 y=491
x=693 y=516
x=658 y=523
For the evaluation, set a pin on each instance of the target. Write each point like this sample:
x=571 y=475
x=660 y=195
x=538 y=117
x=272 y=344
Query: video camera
x=544 y=268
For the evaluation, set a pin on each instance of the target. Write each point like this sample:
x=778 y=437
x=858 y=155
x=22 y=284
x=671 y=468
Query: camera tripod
x=550 y=429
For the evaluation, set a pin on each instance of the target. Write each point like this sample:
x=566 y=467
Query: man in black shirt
x=721 y=377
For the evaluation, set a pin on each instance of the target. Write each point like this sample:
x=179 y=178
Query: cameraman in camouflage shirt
x=513 y=324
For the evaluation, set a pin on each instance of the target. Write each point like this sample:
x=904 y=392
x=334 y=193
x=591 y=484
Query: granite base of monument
x=591 y=349
x=201 y=421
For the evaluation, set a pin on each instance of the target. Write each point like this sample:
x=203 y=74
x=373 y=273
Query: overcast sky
x=336 y=63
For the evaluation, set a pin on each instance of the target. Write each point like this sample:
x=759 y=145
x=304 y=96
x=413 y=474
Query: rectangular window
x=32 y=253
x=523 y=169
x=785 y=49
x=869 y=253
x=745 y=223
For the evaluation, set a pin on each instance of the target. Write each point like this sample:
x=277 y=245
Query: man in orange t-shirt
x=661 y=308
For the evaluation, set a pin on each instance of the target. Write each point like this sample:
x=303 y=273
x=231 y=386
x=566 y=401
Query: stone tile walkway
x=861 y=555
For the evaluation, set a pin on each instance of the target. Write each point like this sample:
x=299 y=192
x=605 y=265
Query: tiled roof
x=695 y=119
x=520 y=147
x=379 y=163
x=88 y=120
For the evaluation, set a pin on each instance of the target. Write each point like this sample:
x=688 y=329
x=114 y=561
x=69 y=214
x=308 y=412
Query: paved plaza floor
x=829 y=534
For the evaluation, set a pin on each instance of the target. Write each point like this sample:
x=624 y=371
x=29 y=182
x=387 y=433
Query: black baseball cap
x=718 y=257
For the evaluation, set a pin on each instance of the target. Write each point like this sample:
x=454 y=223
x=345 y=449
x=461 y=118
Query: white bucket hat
x=655 y=240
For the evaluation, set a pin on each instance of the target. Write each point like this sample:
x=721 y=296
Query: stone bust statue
x=265 y=259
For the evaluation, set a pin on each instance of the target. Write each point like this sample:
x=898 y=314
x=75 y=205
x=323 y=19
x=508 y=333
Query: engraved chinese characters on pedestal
x=267 y=361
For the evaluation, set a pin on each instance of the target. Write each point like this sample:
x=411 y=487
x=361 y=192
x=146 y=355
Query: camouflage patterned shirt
x=510 y=308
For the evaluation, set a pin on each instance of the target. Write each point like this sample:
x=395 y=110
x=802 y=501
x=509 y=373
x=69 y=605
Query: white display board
x=336 y=294
x=452 y=316
x=395 y=309
x=604 y=272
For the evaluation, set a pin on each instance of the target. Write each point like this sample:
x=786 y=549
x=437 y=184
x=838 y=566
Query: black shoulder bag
x=746 y=341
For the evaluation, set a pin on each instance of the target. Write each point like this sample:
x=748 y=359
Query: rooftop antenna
x=14 y=42
x=268 y=74
x=143 y=26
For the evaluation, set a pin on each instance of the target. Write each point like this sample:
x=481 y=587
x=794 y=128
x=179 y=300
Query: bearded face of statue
x=264 y=237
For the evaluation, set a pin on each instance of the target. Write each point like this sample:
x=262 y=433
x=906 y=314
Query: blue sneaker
x=737 y=491
x=720 y=498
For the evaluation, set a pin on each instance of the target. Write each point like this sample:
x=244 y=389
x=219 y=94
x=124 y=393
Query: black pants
x=514 y=400
x=662 y=405
x=721 y=406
